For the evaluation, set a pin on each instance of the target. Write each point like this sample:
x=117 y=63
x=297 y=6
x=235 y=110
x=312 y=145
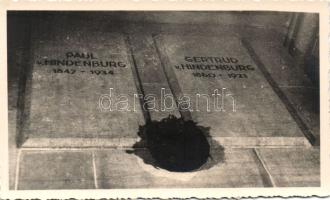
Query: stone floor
x=59 y=167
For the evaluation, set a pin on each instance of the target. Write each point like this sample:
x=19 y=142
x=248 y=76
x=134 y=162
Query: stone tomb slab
x=245 y=110
x=68 y=96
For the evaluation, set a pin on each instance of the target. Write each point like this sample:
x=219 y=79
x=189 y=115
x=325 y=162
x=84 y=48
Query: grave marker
x=75 y=76
x=227 y=92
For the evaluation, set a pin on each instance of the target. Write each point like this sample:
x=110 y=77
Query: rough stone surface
x=55 y=170
x=239 y=169
x=293 y=81
x=292 y=167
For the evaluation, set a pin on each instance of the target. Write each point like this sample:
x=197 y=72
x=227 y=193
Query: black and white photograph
x=163 y=99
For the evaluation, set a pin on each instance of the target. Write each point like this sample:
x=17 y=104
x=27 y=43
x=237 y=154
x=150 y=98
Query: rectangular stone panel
x=81 y=86
x=55 y=170
x=226 y=91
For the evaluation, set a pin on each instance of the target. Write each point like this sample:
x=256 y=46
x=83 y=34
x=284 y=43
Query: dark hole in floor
x=176 y=145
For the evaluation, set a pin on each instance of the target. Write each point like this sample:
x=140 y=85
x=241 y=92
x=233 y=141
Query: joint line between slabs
x=272 y=181
x=31 y=149
x=94 y=171
x=17 y=168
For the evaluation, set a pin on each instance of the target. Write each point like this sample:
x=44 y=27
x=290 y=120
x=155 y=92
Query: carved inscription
x=80 y=62
x=215 y=67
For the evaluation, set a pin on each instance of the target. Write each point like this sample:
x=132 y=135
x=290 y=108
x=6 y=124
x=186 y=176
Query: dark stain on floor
x=177 y=145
